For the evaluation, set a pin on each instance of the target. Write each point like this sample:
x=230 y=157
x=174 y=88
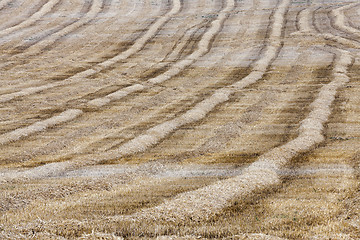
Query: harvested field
x=179 y=119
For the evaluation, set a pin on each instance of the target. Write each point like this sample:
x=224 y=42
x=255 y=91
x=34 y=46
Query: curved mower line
x=39 y=126
x=157 y=133
x=133 y=8
x=103 y=136
x=307 y=29
x=193 y=115
x=46 y=8
x=140 y=43
x=67 y=115
x=124 y=92
x=176 y=157
x=99 y=102
x=262 y=174
x=203 y=48
x=137 y=46
x=340 y=20
x=47 y=41
x=90 y=15
x=204 y=202
x=304 y=21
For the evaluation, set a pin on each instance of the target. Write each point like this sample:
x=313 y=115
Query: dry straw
x=4 y=3
x=155 y=134
x=99 y=102
x=340 y=19
x=262 y=174
x=71 y=114
x=25 y=92
x=305 y=21
x=305 y=25
x=204 y=46
x=95 y=9
x=137 y=46
x=159 y=132
x=46 y=8
x=152 y=136
x=140 y=43
x=39 y=126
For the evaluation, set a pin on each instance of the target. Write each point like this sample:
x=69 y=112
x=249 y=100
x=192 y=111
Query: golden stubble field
x=179 y=119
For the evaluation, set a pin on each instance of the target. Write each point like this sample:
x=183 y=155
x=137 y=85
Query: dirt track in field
x=171 y=119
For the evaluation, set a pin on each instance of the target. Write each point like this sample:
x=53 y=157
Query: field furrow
x=159 y=119
x=45 y=9
x=32 y=42
x=81 y=75
x=113 y=96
